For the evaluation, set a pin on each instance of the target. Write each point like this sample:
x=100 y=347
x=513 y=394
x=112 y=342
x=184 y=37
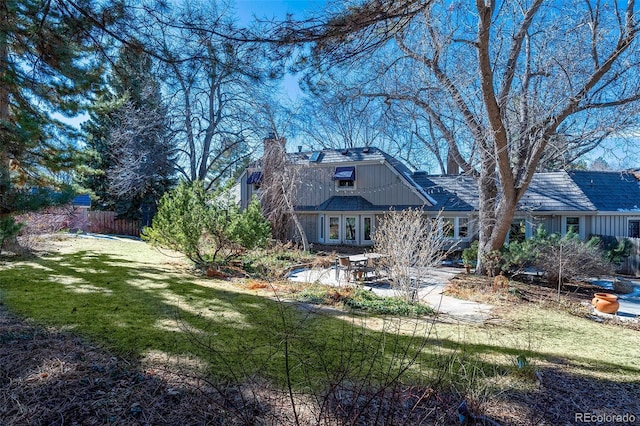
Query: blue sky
x=274 y=9
x=248 y=10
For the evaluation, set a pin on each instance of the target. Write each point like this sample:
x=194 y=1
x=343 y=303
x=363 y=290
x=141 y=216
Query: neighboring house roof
x=82 y=200
x=609 y=191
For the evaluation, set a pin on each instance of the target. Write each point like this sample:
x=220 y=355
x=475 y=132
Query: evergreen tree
x=47 y=64
x=130 y=156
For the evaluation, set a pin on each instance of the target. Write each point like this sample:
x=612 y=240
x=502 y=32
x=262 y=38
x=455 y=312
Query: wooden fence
x=631 y=265
x=103 y=222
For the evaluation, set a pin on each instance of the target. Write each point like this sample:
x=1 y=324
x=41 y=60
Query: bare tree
x=210 y=82
x=142 y=155
x=332 y=120
x=411 y=242
x=503 y=84
x=280 y=185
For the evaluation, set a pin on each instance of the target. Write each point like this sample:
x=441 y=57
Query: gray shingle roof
x=333 y=156
x=609 y=191
x=346 y=203
x=554 y=191
x=451 y=192
x=548 y=192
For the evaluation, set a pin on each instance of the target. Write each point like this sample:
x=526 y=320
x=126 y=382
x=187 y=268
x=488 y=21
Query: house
x=344 y=193
x=587 y=202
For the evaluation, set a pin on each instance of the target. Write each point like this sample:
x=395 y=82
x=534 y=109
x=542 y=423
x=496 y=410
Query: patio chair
x=375 y=265
x=343 y=264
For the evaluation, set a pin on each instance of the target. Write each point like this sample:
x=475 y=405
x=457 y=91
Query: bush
x=205 y=227
x=470 y=254
x=560 y=258
x=565 y=258
x=411 y=242
x=368 y=301
x=616 y=251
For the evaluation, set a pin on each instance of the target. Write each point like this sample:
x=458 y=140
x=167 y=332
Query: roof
x=554 y=191
x=342 y=203
x=548 y=192
x=609 y=191
x=575 y=190
x=346 y=203
x=82 y=200
x=451 y=192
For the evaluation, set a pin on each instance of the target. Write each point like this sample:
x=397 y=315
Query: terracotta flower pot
x=606 y=303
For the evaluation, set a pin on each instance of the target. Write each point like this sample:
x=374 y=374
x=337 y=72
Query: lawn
x=151 y=309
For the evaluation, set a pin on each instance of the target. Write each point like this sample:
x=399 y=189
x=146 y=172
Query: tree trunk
x=303 y=234
x=5 y=178
x=496 y=211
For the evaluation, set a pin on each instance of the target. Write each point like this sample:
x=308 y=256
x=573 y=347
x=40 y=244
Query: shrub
x=411 y=242
x=362 y=300
x=616 y=251
x=205 y=227
x=568 y=257
x=470 y=254
x=368 y=301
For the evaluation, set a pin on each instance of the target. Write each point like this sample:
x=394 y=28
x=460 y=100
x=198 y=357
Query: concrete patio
x=430 y=291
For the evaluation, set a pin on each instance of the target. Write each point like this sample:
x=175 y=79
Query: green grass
x=137 y=302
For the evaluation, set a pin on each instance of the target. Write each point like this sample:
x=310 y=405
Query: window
x=350 y=229
x=448 y=227
x=367 y=228
x=334 y=228
x=634 y=229
x=345 y=173
x=345 y=177
x=573 y=225
x=255 y=179
x=463 y=227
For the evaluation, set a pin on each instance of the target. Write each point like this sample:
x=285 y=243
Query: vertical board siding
x=610 y=225
x=374 y=182
x=104 y=222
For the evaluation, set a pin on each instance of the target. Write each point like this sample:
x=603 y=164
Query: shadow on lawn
x=136 y=309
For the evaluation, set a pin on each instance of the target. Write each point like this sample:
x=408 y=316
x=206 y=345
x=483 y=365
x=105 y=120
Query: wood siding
x=614 y=225
x=377 y=183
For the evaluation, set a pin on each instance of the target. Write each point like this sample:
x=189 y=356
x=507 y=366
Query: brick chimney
x=271 y=139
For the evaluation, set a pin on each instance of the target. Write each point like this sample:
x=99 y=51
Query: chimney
x=452 y=165
x=272 y=139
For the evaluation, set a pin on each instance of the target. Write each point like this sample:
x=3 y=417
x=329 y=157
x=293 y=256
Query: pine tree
x=130 y=156
x=47 y=64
